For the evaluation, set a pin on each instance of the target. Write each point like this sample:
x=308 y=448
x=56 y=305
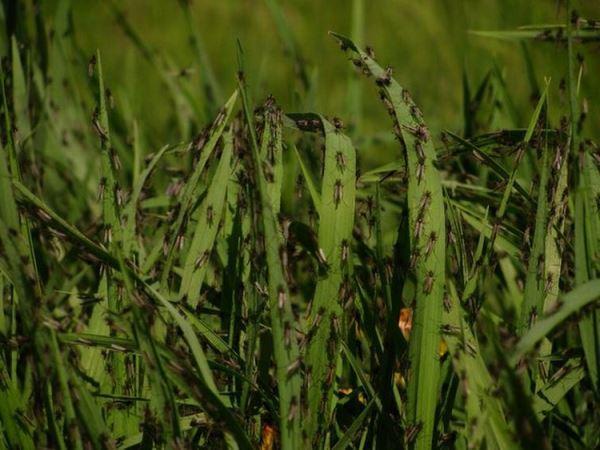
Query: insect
x=201 y=260
x=338 y=124
x=345 y=250
x=420 y=151
x=470 y=348
x=447 y=303
x=293 y=409
x=370 y=53
x=424 y=203
x=92 y=66
x=109 y=98
x=420 y=132
x=337 y=192
x=107 y=234
x=450 y=329
x=293 y=367
x=388 y=105
x=299 y=186
x=120 y=195
x=101 y=131
x=540 y=268
x=261 y=289
x=549 y=283
x=416 y=113
x=302 y=123
x=418 y=227
x=114 y=157
x=428 y=282
x=330 y=375
x=414 y=257
x=268 y=171
x=430 y=243
x=385 y=79
x=340 y=160
x=209 y=215
x=43 y=215
x=287 y=334
x=281 y=297
x=420 y=171
x=343 y=290
x=411 y=432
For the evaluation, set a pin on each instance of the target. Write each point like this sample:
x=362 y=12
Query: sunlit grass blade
x=427 y=231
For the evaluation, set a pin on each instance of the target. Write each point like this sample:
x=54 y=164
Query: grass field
x=298 y=224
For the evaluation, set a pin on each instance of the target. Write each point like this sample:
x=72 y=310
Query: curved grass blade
x=563 y=308
x=427 y=232
x=565 y=378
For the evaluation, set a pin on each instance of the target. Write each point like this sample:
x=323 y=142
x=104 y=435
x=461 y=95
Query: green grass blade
x=209 y=217
x=336 y=220
x=427 y=231
x=280 y=309
x=206 y=145
x=564 y=307
x=315 y=195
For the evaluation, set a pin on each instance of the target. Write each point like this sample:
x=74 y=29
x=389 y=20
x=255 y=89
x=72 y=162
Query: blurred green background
x=426 y=42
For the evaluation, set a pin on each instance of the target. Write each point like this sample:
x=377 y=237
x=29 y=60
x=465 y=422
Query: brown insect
x=430 y=243
x=428 y=282
x=337 y=192
x=385 y=79
x=201 y=260
x=338 y=124
x=345 y=250
x=424 y=203
x=420 y=171
x=418 y=227
x=92 y=66
x=209 y=215
x=411 y=432
x=420 y=151
x=340 y=160
x=281 y=297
